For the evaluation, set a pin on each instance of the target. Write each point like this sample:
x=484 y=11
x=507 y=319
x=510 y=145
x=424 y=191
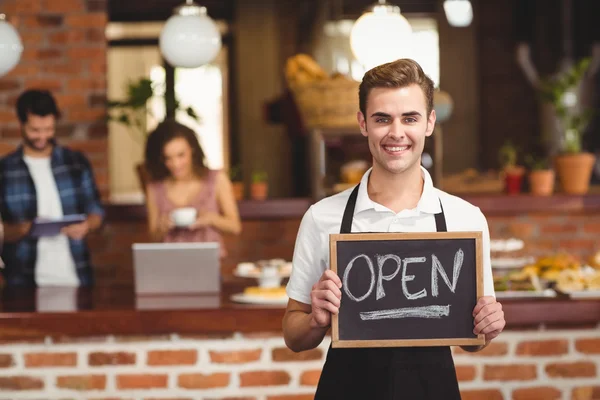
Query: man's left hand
x=489 y=318
x=76 y=231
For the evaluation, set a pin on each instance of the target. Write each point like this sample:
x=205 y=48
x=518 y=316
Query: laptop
x=177 y=268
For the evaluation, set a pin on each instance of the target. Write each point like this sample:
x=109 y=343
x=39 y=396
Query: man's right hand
x=325 y=299
x=16 y=231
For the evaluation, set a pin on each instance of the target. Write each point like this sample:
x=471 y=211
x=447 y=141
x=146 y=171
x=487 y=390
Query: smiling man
x=395 y=195
x=43 y=179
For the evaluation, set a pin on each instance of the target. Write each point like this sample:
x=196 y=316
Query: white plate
x=525 y=294
x=584 y=294
x=252 y=299
x=511 y=263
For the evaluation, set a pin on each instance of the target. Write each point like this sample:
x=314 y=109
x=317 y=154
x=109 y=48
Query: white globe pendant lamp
x=190 y=38
x=11 y=46
x=459 y=13
x=381 y=35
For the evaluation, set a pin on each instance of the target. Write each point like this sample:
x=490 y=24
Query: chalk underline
x=407 y=312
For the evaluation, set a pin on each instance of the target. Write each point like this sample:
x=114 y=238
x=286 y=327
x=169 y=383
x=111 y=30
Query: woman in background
x=180 y=179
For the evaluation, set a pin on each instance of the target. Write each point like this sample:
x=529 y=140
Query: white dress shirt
x=311 y=252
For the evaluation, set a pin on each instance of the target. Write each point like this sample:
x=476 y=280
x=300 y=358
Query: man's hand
x=489 y=318
x=76 y=231
x=325 y=299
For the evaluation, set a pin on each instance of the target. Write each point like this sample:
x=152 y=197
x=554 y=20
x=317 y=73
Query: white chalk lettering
x=347 y=272
x=380 y=261
x=436 y=268
x=408 y=278
x=407 y=312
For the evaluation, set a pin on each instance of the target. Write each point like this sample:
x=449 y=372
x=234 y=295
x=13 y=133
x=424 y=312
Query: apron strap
x=440 y=220
x=349 y=211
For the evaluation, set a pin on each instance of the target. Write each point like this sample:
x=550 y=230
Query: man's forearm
x=298 y=333
x=94 y=222
x=13 y=232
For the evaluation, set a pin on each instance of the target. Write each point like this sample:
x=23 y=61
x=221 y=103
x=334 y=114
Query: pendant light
x=459 y=13
x=381 y=35
x=11 y=46
x=190 y=38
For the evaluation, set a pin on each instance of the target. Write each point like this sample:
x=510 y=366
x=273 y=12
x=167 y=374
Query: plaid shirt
x=78 y=194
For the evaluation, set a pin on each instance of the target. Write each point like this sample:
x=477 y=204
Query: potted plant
x=513 y=173
x=259 y=187
x=133 y=112
x=237 y=183
x=541 y=175
x=573 y=165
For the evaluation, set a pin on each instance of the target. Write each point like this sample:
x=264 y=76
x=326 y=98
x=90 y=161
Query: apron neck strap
x=440 y=219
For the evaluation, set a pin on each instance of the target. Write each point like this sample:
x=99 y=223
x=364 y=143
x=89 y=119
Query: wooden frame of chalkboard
x=429 y=329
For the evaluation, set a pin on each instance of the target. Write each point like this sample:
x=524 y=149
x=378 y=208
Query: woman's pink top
x=205 y=201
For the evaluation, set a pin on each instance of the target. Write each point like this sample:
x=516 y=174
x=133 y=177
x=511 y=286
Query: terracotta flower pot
x=258 y=190
x=575 y=171
x=238 y=190
x=541 y=182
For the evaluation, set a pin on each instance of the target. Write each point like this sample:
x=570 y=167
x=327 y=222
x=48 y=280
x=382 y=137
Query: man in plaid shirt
x=45 y=180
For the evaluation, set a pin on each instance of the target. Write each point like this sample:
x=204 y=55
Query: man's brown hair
x=396 y=74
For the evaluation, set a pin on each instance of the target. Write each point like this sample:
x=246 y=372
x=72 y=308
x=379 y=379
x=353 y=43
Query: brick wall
x=111 y=249
x=554 y=364
x=64 y=52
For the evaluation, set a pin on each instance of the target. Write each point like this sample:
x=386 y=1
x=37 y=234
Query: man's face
x=396 y=126
x=38 y=132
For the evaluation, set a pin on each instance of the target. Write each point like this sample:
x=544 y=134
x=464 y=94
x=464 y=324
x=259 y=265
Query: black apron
x=402 y=373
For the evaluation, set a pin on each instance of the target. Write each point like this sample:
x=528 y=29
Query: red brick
x=310 y=378
x=76 y=84
x=510 y=372
x=201 y=381
x=292 y=397
x=521 y=229
x=494 y=349
x=87 y=53
x=35 y=360
x=172 y=357
x=42 y=21
x=48 y=84
x=97 y=68
x=592 y=227
x=141 y=381
x=72 y=36
x=70 y=100
x=262 y=335
x=93 y=146
x=6 y=360
x=559 y=228
x=586 y=393
x=6 y=84
x=537 y=393
x=588 y=346
x=95 y=35
x=118 y=358
x=63 y=6
x=578 y=244
x=170 y=398
x=282 y=354
x=465 y=372
x=20 y=70
x=543 y=348
x=582 y=369
x=235 y=357
x=82 y=382
x=69 y=69
x=49 y=54
x=7 y=116
x=87 y=20
x=90 y=146
x=22 y=6
x=86 y=114
x=21 y=383
x=264 y=378
x=487 y=394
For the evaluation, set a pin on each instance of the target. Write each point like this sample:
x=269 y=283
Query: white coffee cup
x=184 y=216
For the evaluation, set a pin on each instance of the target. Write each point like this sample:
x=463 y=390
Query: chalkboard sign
x=407 y=289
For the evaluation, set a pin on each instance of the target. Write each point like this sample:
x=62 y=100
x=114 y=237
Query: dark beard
x=30 y=144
